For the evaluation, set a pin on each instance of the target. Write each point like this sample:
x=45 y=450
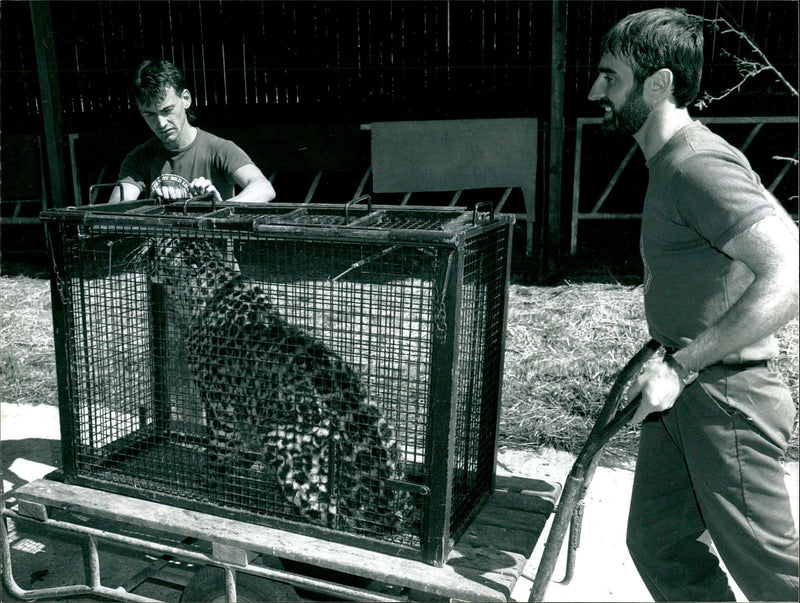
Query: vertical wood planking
x=52 y=114
x=23 y=78
x=234 y=14
x=364 y=60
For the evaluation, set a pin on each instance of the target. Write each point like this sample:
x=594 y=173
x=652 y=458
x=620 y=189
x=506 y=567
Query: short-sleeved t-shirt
x=701 y=193
x=150 y=164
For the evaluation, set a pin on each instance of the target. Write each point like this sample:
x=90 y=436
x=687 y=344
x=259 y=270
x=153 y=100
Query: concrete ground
x=604 y=572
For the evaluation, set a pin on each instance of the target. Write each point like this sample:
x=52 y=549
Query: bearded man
x=721 y=277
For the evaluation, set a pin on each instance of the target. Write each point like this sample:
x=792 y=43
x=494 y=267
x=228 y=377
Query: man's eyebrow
x=606 y=70
x=159 y=109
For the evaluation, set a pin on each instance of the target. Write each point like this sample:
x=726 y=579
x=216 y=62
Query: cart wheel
x=208 y=586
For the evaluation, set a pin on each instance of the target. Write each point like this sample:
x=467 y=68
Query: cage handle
x=481 y=204
x=203 y=197
x=353 y=202
x=93 y=190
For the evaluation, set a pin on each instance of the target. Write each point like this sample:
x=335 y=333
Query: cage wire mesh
x=281 y=378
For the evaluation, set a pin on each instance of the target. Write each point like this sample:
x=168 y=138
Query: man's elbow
x=269 y=191
x=795 y=292
x=789 y=279
x=259 y=190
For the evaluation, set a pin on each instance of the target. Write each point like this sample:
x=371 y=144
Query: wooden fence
x=617 y=188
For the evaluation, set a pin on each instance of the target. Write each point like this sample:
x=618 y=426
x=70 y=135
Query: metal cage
x=329 y=370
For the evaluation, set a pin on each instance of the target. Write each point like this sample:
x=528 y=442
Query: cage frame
x=352 y=224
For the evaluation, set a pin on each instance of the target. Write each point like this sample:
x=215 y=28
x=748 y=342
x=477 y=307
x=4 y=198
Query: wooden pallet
x=484 y=565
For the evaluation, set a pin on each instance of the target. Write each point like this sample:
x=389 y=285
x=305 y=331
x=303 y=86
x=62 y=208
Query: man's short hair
x=151 y=80
x=661 y=38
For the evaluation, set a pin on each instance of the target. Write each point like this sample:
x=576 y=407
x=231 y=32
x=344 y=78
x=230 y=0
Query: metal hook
x=203 y=197
x=475 y=211
x=353 y=202
x=93 y=189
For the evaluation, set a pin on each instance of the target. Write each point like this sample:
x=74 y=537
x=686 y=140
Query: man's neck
x=661 y=125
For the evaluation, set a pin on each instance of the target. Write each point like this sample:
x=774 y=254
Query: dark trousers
x=711 y=466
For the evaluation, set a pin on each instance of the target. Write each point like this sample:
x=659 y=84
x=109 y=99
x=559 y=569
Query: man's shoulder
x=221 y=149
x=701 y=137
x=696 y=145
x=212 y=139
x=147 y=148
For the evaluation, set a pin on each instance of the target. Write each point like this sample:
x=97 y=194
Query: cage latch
x=95 y=187
x=353 y=202
x=440 y=313
x=476 y=208
x=204 y=197
x=396 y=484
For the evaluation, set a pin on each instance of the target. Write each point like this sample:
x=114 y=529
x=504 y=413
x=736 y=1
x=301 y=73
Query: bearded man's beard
x=630 y=117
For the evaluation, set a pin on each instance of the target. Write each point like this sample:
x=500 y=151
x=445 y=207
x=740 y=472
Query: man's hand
x=201 y=186
x=659 y=385
x=169 y=192
x=198 y=186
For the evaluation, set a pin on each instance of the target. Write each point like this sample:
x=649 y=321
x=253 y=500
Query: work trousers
x=712 y=466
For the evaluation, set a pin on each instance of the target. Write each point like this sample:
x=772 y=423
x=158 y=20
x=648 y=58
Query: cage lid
x=358 y=218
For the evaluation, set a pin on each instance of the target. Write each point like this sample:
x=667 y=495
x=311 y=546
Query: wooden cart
x=484 y=565
x=254 y=562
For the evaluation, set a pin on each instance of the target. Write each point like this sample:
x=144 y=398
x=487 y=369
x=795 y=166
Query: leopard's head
x=192 y=267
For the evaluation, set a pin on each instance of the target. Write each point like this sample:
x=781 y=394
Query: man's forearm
x=257 y=191
x=766 y=306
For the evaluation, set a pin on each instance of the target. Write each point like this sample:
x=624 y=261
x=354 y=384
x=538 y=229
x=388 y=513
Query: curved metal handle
x=203 y=197
x=353 y=202
x=610 y=420
x=94 y=187
x=481 y=204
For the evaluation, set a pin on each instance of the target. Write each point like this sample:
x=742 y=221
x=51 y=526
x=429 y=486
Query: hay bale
x=27 y=359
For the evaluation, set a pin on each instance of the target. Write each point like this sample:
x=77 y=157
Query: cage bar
x=329 y=370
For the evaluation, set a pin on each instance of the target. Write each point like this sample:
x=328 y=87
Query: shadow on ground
x=27 y=451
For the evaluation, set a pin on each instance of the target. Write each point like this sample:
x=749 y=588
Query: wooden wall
x=305 y=61
x=354 y=61
x=265 y=66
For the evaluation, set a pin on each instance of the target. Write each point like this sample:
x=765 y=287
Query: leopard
x=279 y=401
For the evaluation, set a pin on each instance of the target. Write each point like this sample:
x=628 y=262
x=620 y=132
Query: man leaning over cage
x=721 y=277
x=181 y=160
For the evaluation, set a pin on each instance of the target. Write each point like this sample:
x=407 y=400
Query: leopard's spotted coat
x=279 y=399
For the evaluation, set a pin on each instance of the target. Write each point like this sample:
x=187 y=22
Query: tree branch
x=747 y=68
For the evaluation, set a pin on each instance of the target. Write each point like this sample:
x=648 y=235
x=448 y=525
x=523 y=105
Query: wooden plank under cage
x=484 y=566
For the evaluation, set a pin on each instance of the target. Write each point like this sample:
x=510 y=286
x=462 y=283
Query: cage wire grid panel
x=330 y=371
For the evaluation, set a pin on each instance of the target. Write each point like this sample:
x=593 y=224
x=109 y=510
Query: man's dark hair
x=151 y=80
x=661 y=38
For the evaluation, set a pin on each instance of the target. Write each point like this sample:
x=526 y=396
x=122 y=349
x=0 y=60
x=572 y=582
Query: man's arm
x=254 y=184
x=769 y=249
x=130 y=192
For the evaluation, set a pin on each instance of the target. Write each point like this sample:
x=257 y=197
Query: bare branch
x=747 y=68
x=755 y=48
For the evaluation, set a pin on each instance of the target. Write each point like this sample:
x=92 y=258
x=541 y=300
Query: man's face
x=166 y=116
x=620 y=95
